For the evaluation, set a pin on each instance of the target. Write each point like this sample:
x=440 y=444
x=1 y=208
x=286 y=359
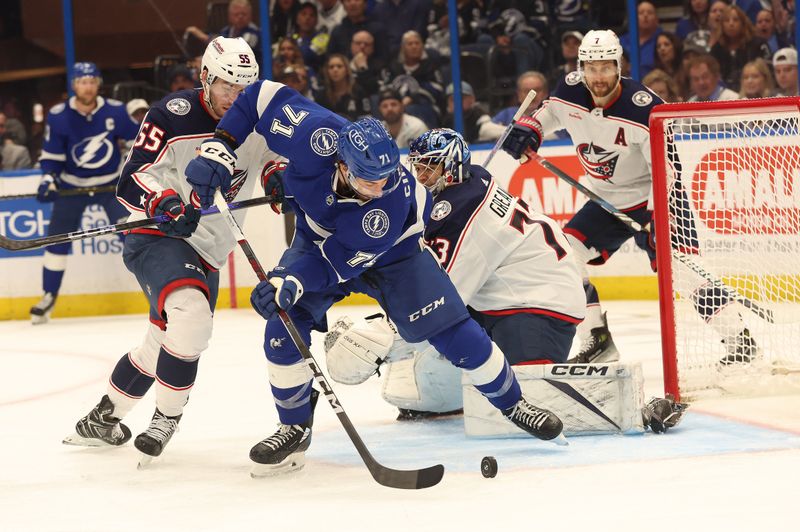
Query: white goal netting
x=732 y=183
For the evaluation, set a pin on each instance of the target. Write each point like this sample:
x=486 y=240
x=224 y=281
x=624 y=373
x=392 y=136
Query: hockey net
x=726 y=183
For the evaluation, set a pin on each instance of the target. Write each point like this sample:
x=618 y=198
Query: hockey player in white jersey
x=607 y=117
x=176 y=263
x=512 y=266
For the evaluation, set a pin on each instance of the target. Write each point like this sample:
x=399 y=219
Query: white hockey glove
x=354 y=352
x=662 y=414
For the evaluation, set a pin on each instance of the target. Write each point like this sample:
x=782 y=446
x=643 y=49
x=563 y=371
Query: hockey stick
x=761 y=312
x=89 y=191
x=392 y=478
x=522 y=108
x=19 y=245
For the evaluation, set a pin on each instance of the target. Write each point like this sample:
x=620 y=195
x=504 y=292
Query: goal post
x=726 y=192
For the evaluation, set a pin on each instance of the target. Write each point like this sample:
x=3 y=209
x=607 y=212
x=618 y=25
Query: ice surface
x=732 y=464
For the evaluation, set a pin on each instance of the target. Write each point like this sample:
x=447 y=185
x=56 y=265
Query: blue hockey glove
x=183 y=217
x=272 y=183
x=48 y=189
x=278 y=292
x=647 y=241
x=211 y=169
x=525 y=134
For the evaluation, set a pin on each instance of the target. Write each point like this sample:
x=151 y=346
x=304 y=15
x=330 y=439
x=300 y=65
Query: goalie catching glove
x=354 y=352
x=662 y=414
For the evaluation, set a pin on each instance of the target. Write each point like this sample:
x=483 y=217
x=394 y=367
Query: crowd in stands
x=391 y=58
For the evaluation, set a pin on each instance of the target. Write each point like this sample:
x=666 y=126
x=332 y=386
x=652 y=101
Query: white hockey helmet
x=231 y=60
x=600 y=45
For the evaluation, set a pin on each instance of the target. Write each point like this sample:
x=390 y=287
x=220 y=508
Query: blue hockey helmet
x=85 y=69
x=371 y=154
x=439 y=157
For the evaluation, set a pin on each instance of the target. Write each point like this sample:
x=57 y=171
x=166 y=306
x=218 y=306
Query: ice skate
x=598 y=347
x=99 y=428
x=284 y=451
x=538 y=422
x=741 y=349
x=152 y=441
x=40 y=312
x=407 y=414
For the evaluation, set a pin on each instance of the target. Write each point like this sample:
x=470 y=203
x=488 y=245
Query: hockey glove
x=48 y=189
x=183 y=218
x=525 y=134
x=210 y=170
x=662 y=414
x=647 y=241
x=276 y=293
x=272 y=183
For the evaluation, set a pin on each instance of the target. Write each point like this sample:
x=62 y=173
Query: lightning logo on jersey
x=93 y=152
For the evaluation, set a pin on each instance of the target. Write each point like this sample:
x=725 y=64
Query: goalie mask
x=230 y=60
x=600 y=45
x=438 y=158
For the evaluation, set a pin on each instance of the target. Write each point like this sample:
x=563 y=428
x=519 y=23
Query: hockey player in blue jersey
x=512 y=266
x=177 y=262
x=607 y=118
x=80 y=150
x=360 y=216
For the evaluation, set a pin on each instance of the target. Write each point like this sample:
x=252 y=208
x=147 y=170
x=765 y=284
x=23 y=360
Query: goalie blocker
x=588 y=398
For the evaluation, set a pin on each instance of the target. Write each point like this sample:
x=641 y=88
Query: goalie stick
x=761 y=312
x=522 y=108
x=89 y=191
x=392 y=478
x=19 y=245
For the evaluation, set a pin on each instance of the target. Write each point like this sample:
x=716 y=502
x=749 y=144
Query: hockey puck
x=488 y=467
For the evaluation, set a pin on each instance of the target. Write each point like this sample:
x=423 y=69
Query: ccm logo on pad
x=427 y=309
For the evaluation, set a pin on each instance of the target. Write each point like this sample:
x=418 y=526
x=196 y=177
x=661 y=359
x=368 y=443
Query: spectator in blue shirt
x=695 y=17
x=240 y=24
x=649 y=30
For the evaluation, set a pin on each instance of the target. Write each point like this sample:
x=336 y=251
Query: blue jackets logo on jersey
x=642 y=98
x=93 y=152
x=179 y=106
x=323 y=141
x=441 y=210
x=375 y=223
x=598 y=161
x=238 y=179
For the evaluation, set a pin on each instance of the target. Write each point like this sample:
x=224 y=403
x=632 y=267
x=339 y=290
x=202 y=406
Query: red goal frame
x=659 y=114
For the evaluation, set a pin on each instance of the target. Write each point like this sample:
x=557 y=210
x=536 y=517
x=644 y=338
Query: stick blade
x=408 y=480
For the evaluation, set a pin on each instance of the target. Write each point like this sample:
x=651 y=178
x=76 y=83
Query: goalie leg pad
x=426 y=382
x=588 y=398
x=357 y=349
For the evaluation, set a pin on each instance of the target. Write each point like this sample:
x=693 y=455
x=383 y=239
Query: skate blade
x=144 y=461
x=40 y=320
x=293 y=462
x=79 y=441
x=560 y=440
